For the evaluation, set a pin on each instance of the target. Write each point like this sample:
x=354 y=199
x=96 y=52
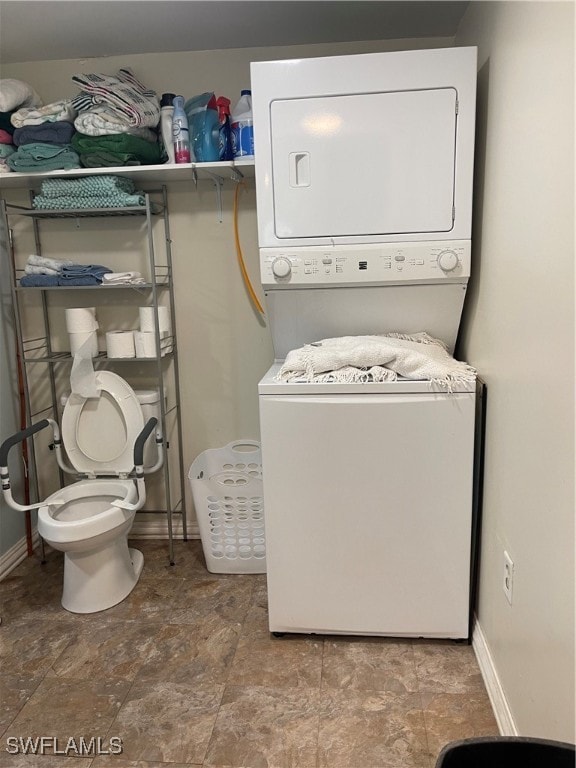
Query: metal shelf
x=114 y=287
x=82 y=213
x=102 y=357
x=38 y=350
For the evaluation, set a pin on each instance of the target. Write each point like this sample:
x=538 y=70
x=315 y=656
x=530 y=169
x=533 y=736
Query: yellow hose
x=239 y=253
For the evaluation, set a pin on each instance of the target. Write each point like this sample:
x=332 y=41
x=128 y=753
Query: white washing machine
x=367 y=487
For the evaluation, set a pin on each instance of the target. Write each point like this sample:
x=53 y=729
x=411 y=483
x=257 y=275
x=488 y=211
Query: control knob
x=281 y=267
x=448 y=261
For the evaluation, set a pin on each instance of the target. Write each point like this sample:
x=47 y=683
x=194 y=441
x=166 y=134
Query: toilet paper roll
x=81 y=319
x=83 y=381
x=147 y=322
x=120 y=344
x=144 y=344
x=77 y=340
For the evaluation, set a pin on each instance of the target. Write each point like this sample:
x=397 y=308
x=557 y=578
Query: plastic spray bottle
x=180 y=132
x=226 y=150
x=242 y=126
x=166 y=112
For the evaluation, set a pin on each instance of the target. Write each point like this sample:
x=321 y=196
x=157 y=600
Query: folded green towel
x=116 y=200
x=87 y=186
x=6 y=150
x=131 y=150
x=38 y=157
x=108 y=160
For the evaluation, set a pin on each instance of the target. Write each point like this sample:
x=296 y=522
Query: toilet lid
x=99 y=432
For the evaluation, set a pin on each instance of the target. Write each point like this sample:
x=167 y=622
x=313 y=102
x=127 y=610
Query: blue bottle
x=242 y=126
x=226 y=149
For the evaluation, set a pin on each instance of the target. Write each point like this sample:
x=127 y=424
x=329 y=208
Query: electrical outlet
x=508 y=577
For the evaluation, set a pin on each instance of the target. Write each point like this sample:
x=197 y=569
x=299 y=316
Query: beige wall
x=519 y=332
x=224 y=346
x=518 y=326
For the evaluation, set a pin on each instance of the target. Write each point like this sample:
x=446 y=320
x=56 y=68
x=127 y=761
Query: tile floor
x=185 y=673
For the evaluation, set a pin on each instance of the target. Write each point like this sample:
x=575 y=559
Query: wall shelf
x=159 y=174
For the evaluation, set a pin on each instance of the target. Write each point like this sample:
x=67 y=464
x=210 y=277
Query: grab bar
x=9 y=443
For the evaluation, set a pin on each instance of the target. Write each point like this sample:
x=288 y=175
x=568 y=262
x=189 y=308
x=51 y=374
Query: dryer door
x=365 y=164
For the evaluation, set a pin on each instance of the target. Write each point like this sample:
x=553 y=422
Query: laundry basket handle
x=244 y=446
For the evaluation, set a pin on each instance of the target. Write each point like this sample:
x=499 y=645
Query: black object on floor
x=507 y=752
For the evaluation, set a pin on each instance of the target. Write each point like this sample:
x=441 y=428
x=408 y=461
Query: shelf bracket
x=218 y=182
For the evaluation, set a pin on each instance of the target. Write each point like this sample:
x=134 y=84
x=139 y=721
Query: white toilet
x=90 y=520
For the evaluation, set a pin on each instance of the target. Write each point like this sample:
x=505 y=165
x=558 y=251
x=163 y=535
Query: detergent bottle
x=180 y=132
x=242 y=126
x=202 y=114
x=226 y=150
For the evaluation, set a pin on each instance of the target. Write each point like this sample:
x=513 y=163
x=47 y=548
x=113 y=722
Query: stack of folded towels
x=117 y=118
x=88 y=192
x=43 y=272
x=7 y=148
x=113 y=121
x=41 y=135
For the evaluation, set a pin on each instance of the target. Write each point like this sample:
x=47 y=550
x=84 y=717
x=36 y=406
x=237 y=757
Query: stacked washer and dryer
x=364 y=170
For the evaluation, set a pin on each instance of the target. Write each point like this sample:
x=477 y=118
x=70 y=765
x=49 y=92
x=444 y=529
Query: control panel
x=385 y=263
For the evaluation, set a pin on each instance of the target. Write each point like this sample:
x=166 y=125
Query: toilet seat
x=99 y=433
x=85 y=510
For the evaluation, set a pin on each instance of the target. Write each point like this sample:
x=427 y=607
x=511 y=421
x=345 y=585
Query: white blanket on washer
x=375 y=358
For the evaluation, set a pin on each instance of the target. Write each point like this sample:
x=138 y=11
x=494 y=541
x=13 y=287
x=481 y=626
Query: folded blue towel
x=76 y=274
x=84 y=270
x=60 y=132
x=64 y=280
x=39 y=281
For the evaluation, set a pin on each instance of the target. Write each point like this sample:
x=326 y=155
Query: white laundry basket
x=226 y=487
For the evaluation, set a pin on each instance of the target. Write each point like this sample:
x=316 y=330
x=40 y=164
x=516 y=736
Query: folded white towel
x=30 y=269
x=50 y=113
x=375 y=358
x=102 y=121
x=43 y=261
x=129 y=278
x=123 y=94
x=17 y=93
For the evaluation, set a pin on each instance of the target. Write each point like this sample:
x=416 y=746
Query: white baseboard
x=147 y=525
x=502 y=713
x=14 y=556
x=154 y=525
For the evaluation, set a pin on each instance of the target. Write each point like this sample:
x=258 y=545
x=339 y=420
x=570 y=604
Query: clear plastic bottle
x=242 y=126
x=180 y=134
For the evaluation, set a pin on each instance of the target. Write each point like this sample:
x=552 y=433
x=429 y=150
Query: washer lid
x=99 y=432
x=269 y=385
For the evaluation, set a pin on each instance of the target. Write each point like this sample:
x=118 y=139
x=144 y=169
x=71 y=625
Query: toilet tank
x=149 y=400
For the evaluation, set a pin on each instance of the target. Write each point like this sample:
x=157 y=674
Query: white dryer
x=363 y=149
x=367 y=487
